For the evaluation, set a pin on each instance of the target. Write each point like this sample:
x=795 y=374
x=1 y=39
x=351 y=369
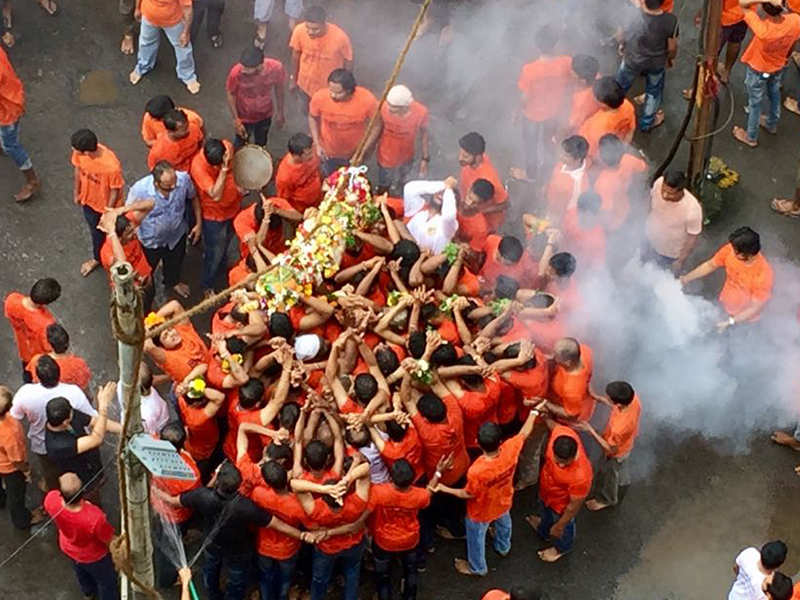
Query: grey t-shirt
x=646 y=41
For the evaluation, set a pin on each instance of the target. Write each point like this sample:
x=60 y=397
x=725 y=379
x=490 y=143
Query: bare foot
x=38 y=515
x=27 y=192
x=763 y=122
x=193 y=86
x=639 y=99
x=182 y=290
x=462 y=566
x=135 y=77
x=444 y=533
x=784 y=439
x=126 y=45
x=50 y=7
x=741 y=135
x=534 y=521
x=518 y=174
x=791 y=105
x=797 y=469
x=88 y=267
x=594 y=505
x=550 y=554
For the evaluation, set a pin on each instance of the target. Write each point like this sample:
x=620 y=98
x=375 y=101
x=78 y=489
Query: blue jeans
x=149 y=38
x=757 y=84
x=322 y=568
x=275 y=577
x=476 y=541
x=9 y=141
x=217 y=236
x=383 y=572
x=97 y=579
x=98 y=237
x=238 y=569
x=549 y=518
x=395 y=178
x=653 y=90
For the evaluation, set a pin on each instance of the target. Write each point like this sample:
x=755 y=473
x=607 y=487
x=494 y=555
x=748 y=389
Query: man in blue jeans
x=649 y=47
x=765 y=57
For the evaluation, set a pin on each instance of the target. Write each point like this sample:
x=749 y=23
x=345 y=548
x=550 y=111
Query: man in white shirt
x=30 y=403
x=154 y=410
x=752 y=567
x=431 y=207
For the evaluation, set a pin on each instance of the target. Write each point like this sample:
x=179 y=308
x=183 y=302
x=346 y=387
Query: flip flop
x=50 y=3
x=792 y=107
x=740 y=135
x=88 y=267
x=782 y=206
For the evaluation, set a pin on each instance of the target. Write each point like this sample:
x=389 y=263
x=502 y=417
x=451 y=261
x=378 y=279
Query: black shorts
x=733 y=34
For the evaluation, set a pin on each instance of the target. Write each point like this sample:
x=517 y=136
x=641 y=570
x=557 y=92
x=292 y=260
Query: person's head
x=773 y=554
x=589 y=203
x=562 y=264
x=288 y=415
x=235 y=345
x=608 y=92
x=365 y=388
x=158 y=106
x=546 y=39
x=69 y=484
x=5 y=400
x=585 y=68
x=174 y=433
x=214 y=151
x=251 y=393
x=777 y=586
x=771 y=9
x=399 y=100
x=316 y=455
x=44 y=291
x=470 y=149
x=620 y=393
x=574 y=150
x=489 y=437
x=310 y=347
x=565 y=449
x=509 y=250
x=387 y=360
x=58 y=338
x=84 y=140
x=280 y=325
x=358 y=438
x=164 y=177
x=444 y=356
x=653 y=4
x=673 y=185
x=274 y=475
x=58 y=411
x=280 y=453
x=341 y=85
x=47 y=371
x=746 y=243
x=176 y=123
x=252 y=60
x=506 y=287
x=611 y=150
x=407 y=252
x=567 y=353
x=472 y=380
x=481 y=192
x=301 y=147
x=124 y=228
x=402 y=473
x=431 y=407
x=395 y=431
x=416 y=344
x=228 y=480
x=315 y=17
x=512 y=351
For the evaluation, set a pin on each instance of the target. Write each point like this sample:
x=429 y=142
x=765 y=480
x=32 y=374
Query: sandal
x=740 y=135
x=50 y=7
x=785 y=207
x=763 y=123
x=216 y=41
x=791 y=105
x=658 y=121
x=126 y=46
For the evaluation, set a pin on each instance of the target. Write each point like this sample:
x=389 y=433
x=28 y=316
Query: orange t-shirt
x=342 y=124
x=152 y=128
x=238 y=272
x=235 y=417
x=441 y=439
x=164 y=13
x=270 y=542
x=479 y=408
x=175 y=487
x=613 y=185
x=202 y=431
x=485 y=170
x=563 y=191
x=584 y=105
x=796 y=592
x=493 y=268
x=772 y=41
x=393 y=522
x=12 y=444
x=327 y=518
x=496 y=595
x=179 y=153
x=588 y=245
x=29 y=326
x=134 y=254
x=620 y=121
x=623 y=427
x=97 y=177
x=744 y=282
x=191 y=352
x=319 y=56
x=732 y=12
x=530 y=383
x=73 y=370
x=204 y=176
x=570 y=390
x=491 y=482
x=544 y=84
x=559 y=485
x=409 y=448
x=12 y=93
x=245 y=224
x=473 y=230
x=299 y=183
x=397 y=142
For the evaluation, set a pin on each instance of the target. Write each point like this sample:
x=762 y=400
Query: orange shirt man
x=404 y=119
x=29 y=318
x=178 y=146
x=175 y=434
x=298 y=180
x=153 y=118
x=617 y=115
x=73 y=368
x=122 y=244
x=213 y=179
x=476 y=164
x=569 y=386
x=617 y=179
x=569 y=178
x=773 y=38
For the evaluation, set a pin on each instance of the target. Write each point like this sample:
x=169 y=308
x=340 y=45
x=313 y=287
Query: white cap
x=306 y=346
x=399 y=95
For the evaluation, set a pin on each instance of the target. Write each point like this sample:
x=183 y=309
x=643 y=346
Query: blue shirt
x=165 y=225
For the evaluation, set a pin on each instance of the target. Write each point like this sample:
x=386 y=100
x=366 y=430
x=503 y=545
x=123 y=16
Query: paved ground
x=677 y=531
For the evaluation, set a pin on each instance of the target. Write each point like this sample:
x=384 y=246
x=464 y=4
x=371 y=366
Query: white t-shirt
x=30 y=402
x=155 y=413
x=431 y=231
x=750 y=578
x=670 y=224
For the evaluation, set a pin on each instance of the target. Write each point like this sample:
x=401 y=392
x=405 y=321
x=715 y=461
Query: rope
x=120 y=554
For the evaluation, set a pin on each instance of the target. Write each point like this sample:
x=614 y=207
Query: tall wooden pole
x=712 y=11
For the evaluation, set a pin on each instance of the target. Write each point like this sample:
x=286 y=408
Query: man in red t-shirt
x=84 y=535
x=250 y=87
x=29 y=318
x=297 y=179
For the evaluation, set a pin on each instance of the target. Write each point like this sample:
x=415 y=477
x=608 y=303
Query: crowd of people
x=433 y=377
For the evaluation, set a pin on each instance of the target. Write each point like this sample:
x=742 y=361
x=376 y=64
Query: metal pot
x=252 y=167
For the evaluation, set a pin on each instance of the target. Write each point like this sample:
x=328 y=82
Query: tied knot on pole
x=126 y=303
x=120 y=555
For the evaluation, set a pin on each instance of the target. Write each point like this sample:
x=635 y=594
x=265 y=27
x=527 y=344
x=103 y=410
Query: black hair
x=510 y=248
x=416 y=344
x=158 y=106
x=585 y=67
x=344 y=78
x=589 y=202
x=780 y=588
x=489 y=437
x=280 y=453
x=57 y=410
x=745 y=241
x=576 y=146
x=288 y=415
x=609 y=92
x=395 y=431
x=84 y=140
x=611 y=149
x=251 y=56
x=45 y=291
x=160 y=168
x=315 y=14
x=773 y=554
x=771 y=9
x=365 y=387
x=675 y=179
x=387 y=361
x=402 y=473
x=473 y=143
x=506 y=287
x=358 y=438
x=280 y=325
x=251 y=393
x=214 y=151
x=653 y=4
x=483 y=189
x=228 y=479
x=57 y=337
x=546 y=39
x=432 y=408
x=274 y=475
x=299 y=143
x=121 y=224
x=235 y=345
x=407 y=252
x=444 y=356
x=174 y=433
x=174 y=119
x=565 y=447
x=512 y=351
x=428 y=311
x=47 y=371
x=620 y=392
x=316 y=454
x=563 y=263
x=472 y=380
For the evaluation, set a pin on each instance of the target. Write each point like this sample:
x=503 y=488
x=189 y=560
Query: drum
x=252 y=167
